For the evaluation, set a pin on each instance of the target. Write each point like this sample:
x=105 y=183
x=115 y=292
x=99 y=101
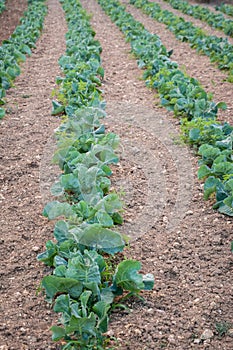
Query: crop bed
x=175 y=235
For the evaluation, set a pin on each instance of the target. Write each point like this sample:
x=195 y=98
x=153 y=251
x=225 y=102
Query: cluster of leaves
x=225 y=8
x=217 y=21
x=186 y=98
x=84 y=283
x=216 y=164
x=2 y=6
x=14 y=50
x=219 y=50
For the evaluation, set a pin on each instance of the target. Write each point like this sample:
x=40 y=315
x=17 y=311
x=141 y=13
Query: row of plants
x=215 y=20
x=188 y=100
x=15 y=49
x=225 y=8
x=219 y=50
x=2 y=6
x=89 y=274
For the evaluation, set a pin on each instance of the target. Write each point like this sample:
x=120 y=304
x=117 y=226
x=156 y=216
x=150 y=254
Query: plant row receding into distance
x=215 y=20
x=188 y=100
x=14 y=50
x=219 y=50
x=225 y=8
x=87 y=279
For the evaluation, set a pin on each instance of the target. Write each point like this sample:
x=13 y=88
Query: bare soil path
x=25 y=317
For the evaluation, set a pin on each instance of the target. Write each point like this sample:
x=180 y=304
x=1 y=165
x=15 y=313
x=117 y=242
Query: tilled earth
x=175 y=233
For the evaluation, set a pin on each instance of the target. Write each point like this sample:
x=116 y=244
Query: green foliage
x=217 y=21
x=222 y=328
x=225 y=8
x=14 y=50
x=127 y=277
x=219 y=50
x=86 y=278
x=186 y=98
x=2 y=6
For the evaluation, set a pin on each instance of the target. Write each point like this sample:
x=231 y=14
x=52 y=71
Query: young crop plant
x=217 y=21
x=188 y=100
x=2 y=6
x=87 y=276
x=225 y=8
x=14 y=50
x=219 y=50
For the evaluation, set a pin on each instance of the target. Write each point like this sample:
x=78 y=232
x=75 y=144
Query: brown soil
x=175 y=234
x=10 y=17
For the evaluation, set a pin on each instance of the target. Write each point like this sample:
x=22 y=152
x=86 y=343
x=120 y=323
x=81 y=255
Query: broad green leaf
x=226 y=143
x=208 y=153
x=96 y=237
x=69 y=182
x=26 y=49
x=60 y=271
x=61 y=231
x=224 y=168
x=62 y=304
x=84 y=297
x=93 y=286
x=222 y=105
x=117 y=218
x=210 y=186
x=55 y=209
x=58 y=333
x=229 y=185
x=75 y=310
x=83 y=270
x=107 y=295
x=57 y=189
x=148 y=281
x=47 y=257
x=82 y=326
x=127 y=276
x=58 y=261
x=101 y=310
x=194 y=134
x=54 y=285
x=2 y=113
x=57 y=108
x=204 y=171
x=104 y=219
x=227 y=207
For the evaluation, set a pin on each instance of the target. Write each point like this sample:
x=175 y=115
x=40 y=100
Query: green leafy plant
x=2 y=6
x=86 y=277
x=14 y=50
x=219 y=50
x=225 y=8
x=188 y=100
x=222 y=328
x=217 y=21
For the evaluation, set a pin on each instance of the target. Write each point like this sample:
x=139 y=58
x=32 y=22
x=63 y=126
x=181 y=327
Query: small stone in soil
x=35 y=249
x=207 y=334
